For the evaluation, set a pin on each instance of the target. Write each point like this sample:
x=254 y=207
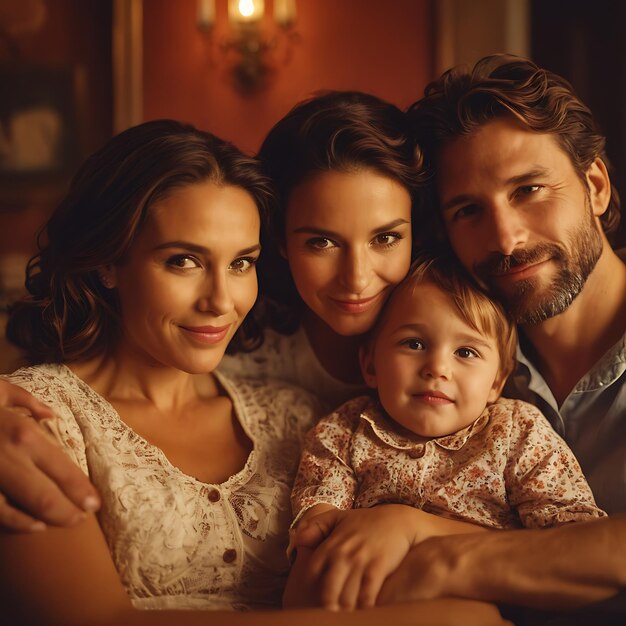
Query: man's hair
x=473 y=305
x=463 y=100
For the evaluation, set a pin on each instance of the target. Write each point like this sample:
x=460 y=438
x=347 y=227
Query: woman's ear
x=107 y=276
x=599 y=185
x=368 y=369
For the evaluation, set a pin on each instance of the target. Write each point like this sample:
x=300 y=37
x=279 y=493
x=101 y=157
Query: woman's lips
x=355 y=306
x=207 y=334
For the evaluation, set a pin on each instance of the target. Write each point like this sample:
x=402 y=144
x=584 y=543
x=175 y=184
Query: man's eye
x=243 y=264
x=465 y=211
x=467 y=353
x=320 y=243
x=528 y=190
x=183 y=261
x=386 y=239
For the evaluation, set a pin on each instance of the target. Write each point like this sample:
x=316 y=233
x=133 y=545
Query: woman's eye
x=386 y=239
x=320 y=243
x=466 y=353
x=183 y=261
x=413 y=344
x=243 y=264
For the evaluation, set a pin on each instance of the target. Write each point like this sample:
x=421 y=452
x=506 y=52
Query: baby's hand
x=359 y=549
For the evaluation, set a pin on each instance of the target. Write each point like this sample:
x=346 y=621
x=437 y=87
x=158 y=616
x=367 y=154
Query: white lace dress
x=178 y=542
x=292 y=359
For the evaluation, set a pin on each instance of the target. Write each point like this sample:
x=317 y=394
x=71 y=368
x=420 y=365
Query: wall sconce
x=254 y=45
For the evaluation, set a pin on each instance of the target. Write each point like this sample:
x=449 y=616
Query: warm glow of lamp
x=245 y=11
x=252 y=47
x=206 y=14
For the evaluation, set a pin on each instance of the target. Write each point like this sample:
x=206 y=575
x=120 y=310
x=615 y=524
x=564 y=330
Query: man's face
x=519 y=218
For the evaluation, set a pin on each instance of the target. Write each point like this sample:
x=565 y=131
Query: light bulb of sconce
x=206 y=14
x=245 y=11
x=284 y=12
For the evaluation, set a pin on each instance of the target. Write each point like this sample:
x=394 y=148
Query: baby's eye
x=243 y=264
x=386 y=239
x=413 y=343
x=183 y=261
x=466 y=353
x=320 y=243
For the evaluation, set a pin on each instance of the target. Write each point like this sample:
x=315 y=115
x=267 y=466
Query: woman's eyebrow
x=313 y=230
x=194 y=247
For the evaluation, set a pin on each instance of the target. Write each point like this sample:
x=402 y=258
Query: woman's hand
x=35 y=474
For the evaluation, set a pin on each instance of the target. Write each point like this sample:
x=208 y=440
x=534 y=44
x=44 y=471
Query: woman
x=348 y=178
x=146 y=275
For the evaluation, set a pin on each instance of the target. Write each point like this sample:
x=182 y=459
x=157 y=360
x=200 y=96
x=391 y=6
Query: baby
x=436 y=434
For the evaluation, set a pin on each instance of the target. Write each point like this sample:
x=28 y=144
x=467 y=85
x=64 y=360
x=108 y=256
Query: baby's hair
x=475 y=307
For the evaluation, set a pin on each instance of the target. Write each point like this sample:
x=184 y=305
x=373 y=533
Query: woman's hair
x=341 y=131
x=474 y=306
x=501 y=85
x=70 y=315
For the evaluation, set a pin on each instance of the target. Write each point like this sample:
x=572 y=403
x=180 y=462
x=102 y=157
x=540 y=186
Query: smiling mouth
x=207 y=334
x=356 y=306
x=433 y=397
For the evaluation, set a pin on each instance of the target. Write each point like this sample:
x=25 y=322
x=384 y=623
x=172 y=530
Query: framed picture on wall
x=38 y=128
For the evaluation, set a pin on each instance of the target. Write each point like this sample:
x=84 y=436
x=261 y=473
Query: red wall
x=383 y=47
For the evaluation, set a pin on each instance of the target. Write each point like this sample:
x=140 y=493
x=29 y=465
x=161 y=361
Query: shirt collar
x=390 y=433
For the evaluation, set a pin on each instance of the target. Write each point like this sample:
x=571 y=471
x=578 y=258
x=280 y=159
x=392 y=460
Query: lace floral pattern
x=291 y=358
x=178 y=542
x=506 y=470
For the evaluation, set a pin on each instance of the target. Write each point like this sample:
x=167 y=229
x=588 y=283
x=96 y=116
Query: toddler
x=436 y=434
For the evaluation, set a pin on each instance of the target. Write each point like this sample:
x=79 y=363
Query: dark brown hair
x=500 y=85
x=342 y=131
x=69 y=315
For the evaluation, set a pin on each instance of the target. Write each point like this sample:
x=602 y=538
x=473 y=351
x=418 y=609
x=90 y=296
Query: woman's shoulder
x=44 y=380
x=272 y=404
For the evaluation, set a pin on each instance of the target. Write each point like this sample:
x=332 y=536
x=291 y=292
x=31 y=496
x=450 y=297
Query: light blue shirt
x=592 y=420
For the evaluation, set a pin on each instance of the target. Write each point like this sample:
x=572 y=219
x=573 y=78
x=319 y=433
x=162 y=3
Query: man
x=526 y=202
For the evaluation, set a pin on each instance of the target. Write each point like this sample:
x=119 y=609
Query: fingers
x=14 y=520
x=38 y=477
x=311 y=531
x=350 y=578
x=12 y=395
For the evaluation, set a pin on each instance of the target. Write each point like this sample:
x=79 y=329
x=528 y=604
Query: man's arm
x=558 y=568
x=38 y=482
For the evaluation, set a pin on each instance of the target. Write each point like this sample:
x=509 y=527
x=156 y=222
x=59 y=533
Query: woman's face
x=348 y=241
x=190 y=277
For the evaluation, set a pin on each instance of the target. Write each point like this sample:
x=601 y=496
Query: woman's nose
x=216 y=297
x=356 y=273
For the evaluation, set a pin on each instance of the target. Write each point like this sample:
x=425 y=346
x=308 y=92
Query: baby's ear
x=496 y=389
x=368 y=370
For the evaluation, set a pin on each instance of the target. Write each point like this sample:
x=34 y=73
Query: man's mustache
x=497 y=263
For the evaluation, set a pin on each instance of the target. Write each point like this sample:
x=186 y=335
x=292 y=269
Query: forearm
x=558 y=568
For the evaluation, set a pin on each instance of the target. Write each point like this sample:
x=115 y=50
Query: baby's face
x=434 y=373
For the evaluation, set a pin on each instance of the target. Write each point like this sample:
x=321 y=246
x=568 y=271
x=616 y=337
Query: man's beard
x=527 y=302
